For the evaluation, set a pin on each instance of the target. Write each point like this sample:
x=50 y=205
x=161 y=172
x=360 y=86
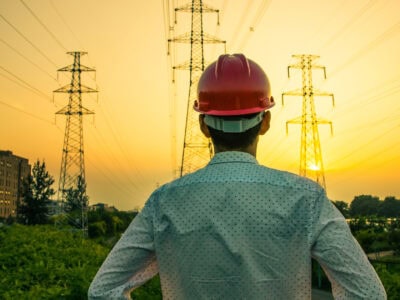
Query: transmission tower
x=310 y=147
x=197 y=149
x=72 y=162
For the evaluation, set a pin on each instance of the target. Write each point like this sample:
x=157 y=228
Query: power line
x=371 y=123
x=117 y=162
x=27 y=85
x=395 y=29
x=169 y=33
x=106 y=118
x=253 y=25
x=27 y=113
x=27 y=59
x=43 y=25
x=114 y=159
x=118 y=143
x=65 y=23
x=365 y=145
x=28 y=41
x=119 y=188
x=349 y=23
x=370 y=97
x=239 y=25
x=107 y=122
x=376 y=154
x=69 y=29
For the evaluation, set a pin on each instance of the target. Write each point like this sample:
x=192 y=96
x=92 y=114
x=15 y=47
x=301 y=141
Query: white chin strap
x=236 y=125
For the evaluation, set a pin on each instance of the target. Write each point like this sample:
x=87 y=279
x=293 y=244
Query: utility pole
x=72 y=162
x=197 y=149
x=310 y=147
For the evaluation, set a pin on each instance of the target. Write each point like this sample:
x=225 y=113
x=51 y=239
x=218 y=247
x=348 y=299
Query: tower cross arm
x=187 y=38
x=203 y=8
x=324 y=121
x=80 y=68
x=296 y=92
x=320 y=67
x=196 y=7
x=69 y=88
x=66 y=110
x=183 y=66
x=182 y=38
x=208 y=38
x=324 y=94
x=297 y=120
x=294 y=66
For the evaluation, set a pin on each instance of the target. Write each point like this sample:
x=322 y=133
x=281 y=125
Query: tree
x=36 y=193
x=76 y=198
x=394 y=240
x=76 y=203
x=364 y=205
x=390 y=208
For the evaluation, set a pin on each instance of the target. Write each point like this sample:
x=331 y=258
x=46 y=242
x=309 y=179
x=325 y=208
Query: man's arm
x=339 y=254
x=130 y=263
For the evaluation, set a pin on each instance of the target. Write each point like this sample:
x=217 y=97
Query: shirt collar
x=233 y=156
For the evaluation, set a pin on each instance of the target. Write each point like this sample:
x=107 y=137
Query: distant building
x=102 y=206
x=13 y=170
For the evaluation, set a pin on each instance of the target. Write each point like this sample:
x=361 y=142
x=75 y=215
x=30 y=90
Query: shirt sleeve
x=339 y=254
x=130 y=263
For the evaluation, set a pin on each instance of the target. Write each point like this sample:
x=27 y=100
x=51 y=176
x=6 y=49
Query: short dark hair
x=231 y=141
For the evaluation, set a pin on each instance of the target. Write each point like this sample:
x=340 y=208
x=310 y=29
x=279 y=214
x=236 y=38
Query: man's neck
x=252 y=149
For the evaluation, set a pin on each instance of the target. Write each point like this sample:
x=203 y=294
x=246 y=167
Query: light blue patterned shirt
x=237 y=230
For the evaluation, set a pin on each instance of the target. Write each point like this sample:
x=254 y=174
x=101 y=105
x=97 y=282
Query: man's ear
x=203 y=126
x=265 y=123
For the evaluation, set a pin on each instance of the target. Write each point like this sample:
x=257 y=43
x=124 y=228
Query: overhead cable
x=27 y=85
x=28 y=41
x=25 y=112
x=43 y=25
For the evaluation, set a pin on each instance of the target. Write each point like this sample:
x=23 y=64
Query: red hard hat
x=233 y=86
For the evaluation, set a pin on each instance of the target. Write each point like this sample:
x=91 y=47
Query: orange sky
x=134 y=142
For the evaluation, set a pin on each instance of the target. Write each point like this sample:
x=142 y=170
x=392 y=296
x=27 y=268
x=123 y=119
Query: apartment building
x=13 y=169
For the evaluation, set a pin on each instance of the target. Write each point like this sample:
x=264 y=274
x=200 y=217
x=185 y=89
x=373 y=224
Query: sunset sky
x=134 y=141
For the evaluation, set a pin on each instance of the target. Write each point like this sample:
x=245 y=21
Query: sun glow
x=314 y=167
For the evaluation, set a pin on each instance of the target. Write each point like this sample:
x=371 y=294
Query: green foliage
x=390 y=207
x=367 y=205
x=372 y=241
x=41 y=262
x=36 y=193
x=76 y=198
x=151 y=290
x=97 y=229
x=390 y=280
x=394 y=240
x=108 y=223
x=364 y=205
x=357 y=224
x=319 y=279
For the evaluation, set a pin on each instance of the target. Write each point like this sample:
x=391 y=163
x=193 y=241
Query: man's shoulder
x=283 y=178
x=255 y=173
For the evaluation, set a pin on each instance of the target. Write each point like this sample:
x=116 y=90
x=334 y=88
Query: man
x=236 y=229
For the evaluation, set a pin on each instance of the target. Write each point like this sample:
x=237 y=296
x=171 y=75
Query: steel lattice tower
x=72 y=162
x=310 y=147
x=197 y=149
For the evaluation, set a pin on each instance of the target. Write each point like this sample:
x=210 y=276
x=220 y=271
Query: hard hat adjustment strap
x=233 y=126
